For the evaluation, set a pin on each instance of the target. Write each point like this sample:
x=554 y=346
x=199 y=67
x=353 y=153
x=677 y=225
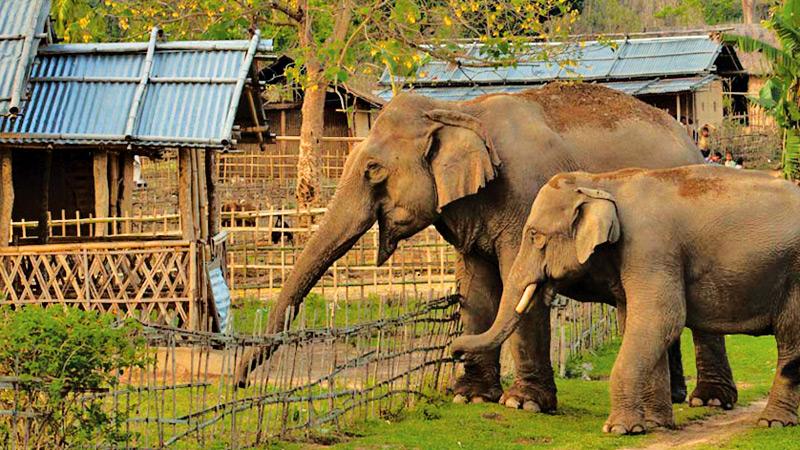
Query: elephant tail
x=792 y=371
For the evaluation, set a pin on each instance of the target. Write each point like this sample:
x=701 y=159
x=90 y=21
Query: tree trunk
x=748 y=11
x=309 y=159
x=312 y=127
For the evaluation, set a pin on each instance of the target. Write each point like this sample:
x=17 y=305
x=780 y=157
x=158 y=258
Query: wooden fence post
x=211 y=188
x=126 y=188
x=43 y=227
x=6 y=196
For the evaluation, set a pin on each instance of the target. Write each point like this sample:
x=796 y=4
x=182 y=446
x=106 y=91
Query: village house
x=687 y=75
x=67 y=145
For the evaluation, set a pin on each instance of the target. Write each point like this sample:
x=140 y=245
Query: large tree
x=332 y=41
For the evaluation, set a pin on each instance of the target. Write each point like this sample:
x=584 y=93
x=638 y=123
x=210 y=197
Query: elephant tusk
x=524 y=302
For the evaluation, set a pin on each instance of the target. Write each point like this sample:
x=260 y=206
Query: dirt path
x=714 y=430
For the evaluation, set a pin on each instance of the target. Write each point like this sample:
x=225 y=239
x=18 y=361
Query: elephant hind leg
x=784 y=397
x=715 y=385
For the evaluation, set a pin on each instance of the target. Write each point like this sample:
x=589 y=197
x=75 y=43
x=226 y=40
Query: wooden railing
x=152 y=281
x=135 y=225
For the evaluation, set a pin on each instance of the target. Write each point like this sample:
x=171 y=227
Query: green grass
x=251 y=314
x=583 y=406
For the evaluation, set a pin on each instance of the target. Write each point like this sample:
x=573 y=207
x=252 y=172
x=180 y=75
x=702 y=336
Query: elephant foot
x=677 y=391
x=718 y=395
x=660 y=419
x=530 y=397
x=625 y=423
x=472 y=389
x=773 y=418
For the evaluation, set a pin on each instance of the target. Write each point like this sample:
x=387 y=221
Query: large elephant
x=603 y=235
x=472 y=169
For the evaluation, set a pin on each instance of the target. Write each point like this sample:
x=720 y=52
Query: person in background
x=729 y=162
x=716 y=158
x=703 y=142
x=739 y=163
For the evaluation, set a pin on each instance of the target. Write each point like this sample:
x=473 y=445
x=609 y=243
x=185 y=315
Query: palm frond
x=789 y=35
x=791 y=154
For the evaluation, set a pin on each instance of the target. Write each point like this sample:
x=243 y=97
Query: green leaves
x=57 y=354
x=791 y=154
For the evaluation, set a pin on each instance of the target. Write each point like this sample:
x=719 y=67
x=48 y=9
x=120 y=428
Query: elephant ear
x=596 y=222
x=461 y=155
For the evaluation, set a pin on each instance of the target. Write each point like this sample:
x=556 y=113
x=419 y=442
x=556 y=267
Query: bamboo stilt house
x=67 y=160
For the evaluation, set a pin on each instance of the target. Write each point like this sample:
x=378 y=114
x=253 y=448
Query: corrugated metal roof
x=637 y=87
x=84 y=94
x=632 y=58
x=22 y=24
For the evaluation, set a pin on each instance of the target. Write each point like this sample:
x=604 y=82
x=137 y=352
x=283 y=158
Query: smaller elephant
x=642 y=238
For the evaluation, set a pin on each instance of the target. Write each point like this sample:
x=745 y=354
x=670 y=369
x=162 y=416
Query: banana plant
x=780 y=95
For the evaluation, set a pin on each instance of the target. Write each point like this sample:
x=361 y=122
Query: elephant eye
x=539 y=240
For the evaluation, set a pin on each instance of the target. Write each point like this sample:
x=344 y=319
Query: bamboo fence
x=153 y=281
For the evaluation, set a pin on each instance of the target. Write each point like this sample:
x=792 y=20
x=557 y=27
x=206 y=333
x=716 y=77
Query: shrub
x=57 y=357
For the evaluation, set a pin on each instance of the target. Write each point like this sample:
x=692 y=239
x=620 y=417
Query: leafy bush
x=57 y=357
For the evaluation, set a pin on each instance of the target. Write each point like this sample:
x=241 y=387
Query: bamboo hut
x=67 y=160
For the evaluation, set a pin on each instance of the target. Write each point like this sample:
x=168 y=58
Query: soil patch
x=714 y=430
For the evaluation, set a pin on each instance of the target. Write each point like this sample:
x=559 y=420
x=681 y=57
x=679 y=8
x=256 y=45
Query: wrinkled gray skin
x=605 y=235
x=472 y=169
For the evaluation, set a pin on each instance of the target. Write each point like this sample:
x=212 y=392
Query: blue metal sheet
x=19 y=19
x=625 y=59
x=80 y=94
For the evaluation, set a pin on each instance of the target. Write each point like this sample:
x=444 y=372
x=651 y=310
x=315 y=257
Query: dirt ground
x=715 y=430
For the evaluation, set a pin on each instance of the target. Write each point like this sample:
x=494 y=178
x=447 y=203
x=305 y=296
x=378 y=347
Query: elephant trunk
x=504 y=324
x=342 y=226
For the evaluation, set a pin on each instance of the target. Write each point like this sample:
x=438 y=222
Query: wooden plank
x=100 y=166
x=185 y=193
x=6 y=196
x=196 y=196
x=126 y=188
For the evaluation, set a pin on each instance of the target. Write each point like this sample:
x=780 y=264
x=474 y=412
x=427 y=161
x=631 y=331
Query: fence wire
x=339 y=364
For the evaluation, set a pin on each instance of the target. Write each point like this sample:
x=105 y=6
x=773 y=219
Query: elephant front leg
x=639 y=383
x=534 y=388
x=658 y=397
x=480 y=289
x=715 y=385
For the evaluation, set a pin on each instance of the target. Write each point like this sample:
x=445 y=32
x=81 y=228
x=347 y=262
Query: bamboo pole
x=6 y=196
x=100 y=166
x=185 y=193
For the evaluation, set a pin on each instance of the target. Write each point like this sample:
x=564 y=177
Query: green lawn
x=582 y=410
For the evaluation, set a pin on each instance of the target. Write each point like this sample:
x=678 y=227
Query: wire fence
x=338 y=364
